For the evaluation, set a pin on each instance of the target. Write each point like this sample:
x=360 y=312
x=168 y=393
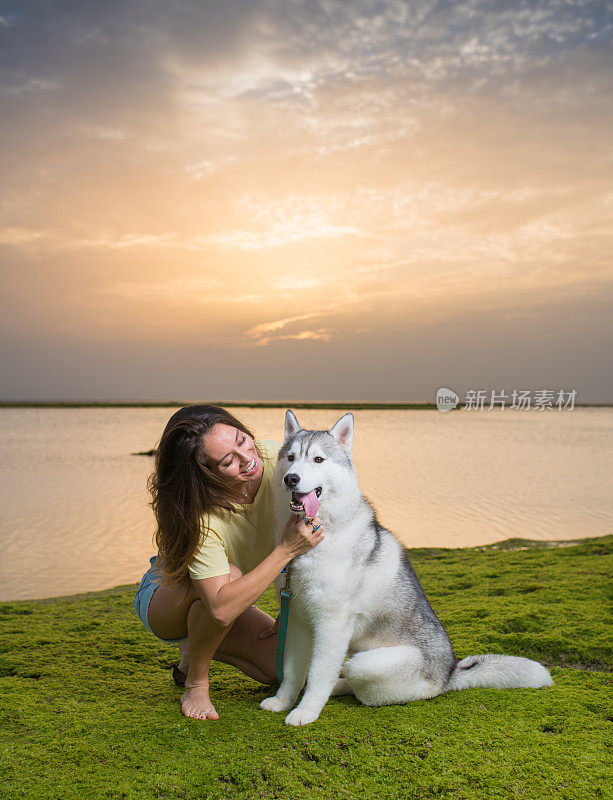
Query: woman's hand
x=298 y=536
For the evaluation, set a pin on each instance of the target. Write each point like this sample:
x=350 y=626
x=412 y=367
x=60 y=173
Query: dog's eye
x=318 y=459
x=290 y=458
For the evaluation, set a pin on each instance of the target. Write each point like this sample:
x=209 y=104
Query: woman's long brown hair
x=184 y=488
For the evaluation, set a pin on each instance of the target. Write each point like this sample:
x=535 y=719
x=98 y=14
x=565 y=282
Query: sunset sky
x=305 y=200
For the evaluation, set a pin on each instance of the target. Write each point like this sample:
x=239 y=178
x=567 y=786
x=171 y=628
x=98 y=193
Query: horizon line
x=333 y=404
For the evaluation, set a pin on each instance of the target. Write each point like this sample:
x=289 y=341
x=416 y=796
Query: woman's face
x=231 y=452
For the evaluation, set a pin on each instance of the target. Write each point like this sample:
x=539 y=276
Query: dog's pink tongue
x=310 y=503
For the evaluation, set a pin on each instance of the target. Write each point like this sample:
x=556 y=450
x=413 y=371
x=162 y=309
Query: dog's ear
x=343 y=432
x=292 y=425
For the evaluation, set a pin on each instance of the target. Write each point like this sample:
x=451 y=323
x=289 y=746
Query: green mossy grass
x=89 y=709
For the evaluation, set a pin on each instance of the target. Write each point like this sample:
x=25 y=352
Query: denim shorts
x=144 y=593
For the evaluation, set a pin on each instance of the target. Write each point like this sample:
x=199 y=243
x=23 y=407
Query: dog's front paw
x=301 y=716
x=273 y=704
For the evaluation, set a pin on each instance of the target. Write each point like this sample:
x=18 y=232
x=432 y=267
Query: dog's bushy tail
x=498 y=672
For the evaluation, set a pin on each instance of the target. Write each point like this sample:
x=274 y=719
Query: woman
x=212 y=499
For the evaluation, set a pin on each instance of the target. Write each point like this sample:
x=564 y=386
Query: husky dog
x=355 y=595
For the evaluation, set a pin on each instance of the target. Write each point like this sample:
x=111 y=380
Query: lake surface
x=75 y=513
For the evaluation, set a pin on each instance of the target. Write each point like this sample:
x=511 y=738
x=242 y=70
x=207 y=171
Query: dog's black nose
x=291 y=480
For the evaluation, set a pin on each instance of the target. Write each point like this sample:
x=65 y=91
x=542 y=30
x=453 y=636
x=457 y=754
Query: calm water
x=74 y=501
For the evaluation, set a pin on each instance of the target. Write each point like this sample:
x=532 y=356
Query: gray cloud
x=113 y=56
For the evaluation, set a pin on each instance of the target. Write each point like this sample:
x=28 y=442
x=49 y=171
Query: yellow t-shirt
x=243 y=538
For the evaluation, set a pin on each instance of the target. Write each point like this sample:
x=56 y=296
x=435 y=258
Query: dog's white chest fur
x=320 y=581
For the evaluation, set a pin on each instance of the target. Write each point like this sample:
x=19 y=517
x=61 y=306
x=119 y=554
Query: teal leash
x=286 y=597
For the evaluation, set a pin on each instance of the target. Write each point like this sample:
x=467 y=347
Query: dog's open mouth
x=306 y=502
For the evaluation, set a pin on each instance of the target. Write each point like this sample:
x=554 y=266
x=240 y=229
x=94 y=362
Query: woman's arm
x=226 y=600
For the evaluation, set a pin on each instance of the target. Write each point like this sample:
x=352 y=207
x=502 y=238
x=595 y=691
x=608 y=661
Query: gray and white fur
x=356 y=597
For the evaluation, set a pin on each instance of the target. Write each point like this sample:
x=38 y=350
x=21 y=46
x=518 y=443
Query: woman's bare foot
x=197 y=703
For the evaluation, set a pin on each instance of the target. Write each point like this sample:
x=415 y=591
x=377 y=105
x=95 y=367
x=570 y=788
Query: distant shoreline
x=351 y=406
